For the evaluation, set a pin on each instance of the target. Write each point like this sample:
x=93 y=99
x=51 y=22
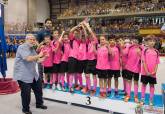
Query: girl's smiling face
x=102 y=40
x=47 y=39
x=65 y=38
x=151 y=43
x=112 y=42
x=55 y=34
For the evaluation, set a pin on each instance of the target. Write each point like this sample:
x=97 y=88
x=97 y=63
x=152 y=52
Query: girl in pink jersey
x=133 y=68
x=150 y=61
x=82 y=56
x=57 y=54
x=45 y=47
x=64 y=60
x=123 y=54
x=74 y=37
x=102 y=65
x=114 y=61
x=91 y=62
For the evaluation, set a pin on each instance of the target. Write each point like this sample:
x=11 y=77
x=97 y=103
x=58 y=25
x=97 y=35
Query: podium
x=112 y=105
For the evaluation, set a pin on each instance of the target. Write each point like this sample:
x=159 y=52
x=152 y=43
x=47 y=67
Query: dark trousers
x=40 y=70
x=36 y=86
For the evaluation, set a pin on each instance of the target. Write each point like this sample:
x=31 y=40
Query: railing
x=122 y=14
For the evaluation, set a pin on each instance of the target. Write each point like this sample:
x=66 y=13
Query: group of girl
x=79 y=51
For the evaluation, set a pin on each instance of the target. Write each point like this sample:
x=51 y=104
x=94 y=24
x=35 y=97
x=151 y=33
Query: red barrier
x=8 y=86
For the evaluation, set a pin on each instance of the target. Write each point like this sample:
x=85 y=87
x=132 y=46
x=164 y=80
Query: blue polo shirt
x=24 y=70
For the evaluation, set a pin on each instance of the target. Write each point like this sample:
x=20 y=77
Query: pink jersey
x=151 y=58
x=66 y=49
x=134 y=59
x=124 y=52
x=143 y=46
x=91 y=45
x=102 y=58
x=74 y=44
x=58 y=54
x=82 y=51
x=48 y=62
x=114 y=59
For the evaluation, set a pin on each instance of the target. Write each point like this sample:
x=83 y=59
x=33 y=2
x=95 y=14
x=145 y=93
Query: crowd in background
x=12 y=46
x=102 y=7
x=108 y=26
x=99 y=25
x=20 y=28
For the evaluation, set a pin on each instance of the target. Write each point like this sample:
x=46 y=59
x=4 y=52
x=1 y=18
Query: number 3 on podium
x=88 y=100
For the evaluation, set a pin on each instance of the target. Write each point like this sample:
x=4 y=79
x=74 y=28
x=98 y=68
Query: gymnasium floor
x=11 y=104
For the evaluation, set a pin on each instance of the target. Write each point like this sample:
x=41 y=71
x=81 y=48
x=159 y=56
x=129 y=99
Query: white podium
x=108 y=105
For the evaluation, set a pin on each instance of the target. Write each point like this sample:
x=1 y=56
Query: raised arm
x=83 y=27
x=59 y=41
x=74 y=28
x=89 y=29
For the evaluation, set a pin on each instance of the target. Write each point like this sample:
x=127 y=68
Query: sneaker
x=67 y=86
x=59 y=87
x=27 y=112
x=71 y=90
x=142 y=102
x=151 y=103
x=136 y=99
x=48 y=86
x=104 y=95
x=63 y=89
x=123 y=92
x=85 y=90
x=101 y=95
x=116 y=94
x=108 y=93
x=78 y=88
x=92 y=92
x=41 y=107
x=75 y=86
x=54 y=87
x=127 y=98
x=45 y=85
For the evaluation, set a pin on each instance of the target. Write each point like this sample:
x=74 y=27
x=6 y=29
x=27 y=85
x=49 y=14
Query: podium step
x=113 y=105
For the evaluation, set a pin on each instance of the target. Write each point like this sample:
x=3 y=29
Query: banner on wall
x=149 y=31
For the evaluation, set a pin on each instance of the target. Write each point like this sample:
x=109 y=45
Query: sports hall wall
x=23 y=11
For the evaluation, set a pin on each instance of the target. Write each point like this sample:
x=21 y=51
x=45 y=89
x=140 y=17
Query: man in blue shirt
x=26 y=75
x=46 y=30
